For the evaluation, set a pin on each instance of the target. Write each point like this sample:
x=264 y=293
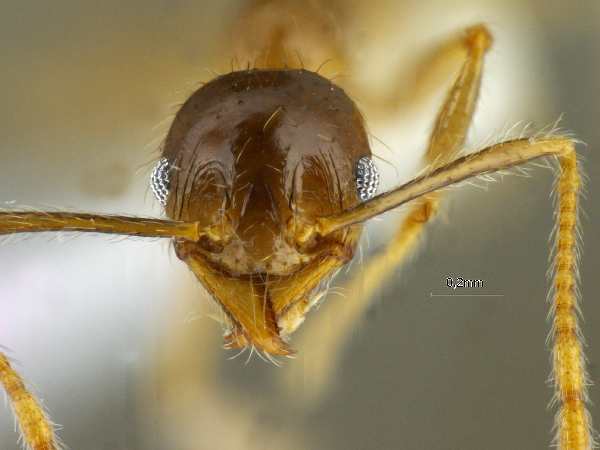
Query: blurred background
x=117 y=336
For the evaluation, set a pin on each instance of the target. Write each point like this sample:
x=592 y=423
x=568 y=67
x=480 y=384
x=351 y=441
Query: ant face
x=251 y=154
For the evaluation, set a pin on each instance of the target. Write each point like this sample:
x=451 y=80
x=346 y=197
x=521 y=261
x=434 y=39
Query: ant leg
x=425 y=78
x=36 y=429
x=445 y=142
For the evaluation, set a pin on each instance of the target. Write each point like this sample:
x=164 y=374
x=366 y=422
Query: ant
x=267 y=178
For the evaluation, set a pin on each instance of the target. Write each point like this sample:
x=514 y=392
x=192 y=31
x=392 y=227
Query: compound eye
x=367 y=178
x=159 y=180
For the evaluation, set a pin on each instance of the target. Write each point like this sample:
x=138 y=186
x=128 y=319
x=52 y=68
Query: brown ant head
x=253 y=155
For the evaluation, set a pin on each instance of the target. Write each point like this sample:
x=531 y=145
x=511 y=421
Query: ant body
x=267 y=178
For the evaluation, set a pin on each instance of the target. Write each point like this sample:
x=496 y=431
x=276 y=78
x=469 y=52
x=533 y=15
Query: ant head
x=253 y=155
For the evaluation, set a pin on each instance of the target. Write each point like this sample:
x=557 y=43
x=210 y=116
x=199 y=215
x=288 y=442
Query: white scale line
x=431 y=294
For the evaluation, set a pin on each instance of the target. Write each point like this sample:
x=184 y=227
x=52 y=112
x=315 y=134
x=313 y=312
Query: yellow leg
x=446 y=141
x=36 y=429
x=573 y=421
x=453 y=120
x=425 y=79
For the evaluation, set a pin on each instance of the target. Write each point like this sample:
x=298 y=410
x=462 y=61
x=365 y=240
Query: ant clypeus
x=266 y=176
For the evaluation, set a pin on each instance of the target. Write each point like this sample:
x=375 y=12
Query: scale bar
x=431 y=294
